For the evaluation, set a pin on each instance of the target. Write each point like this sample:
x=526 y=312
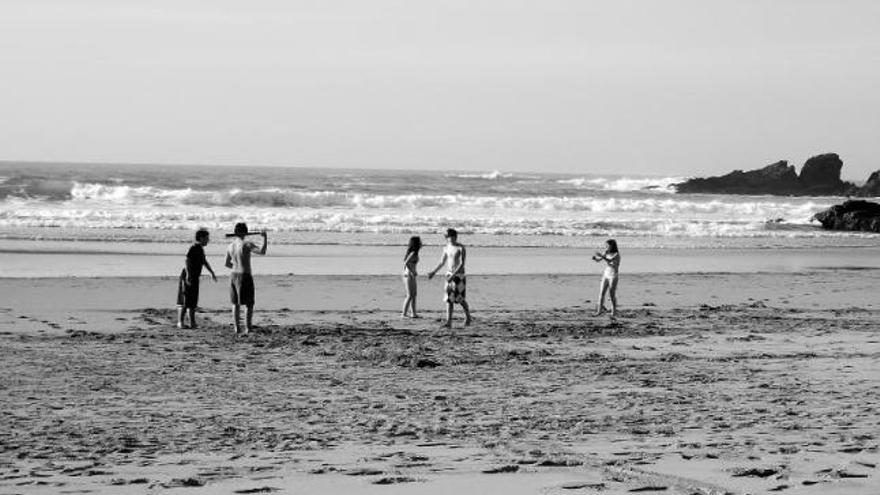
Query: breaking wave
x=493 y=175
x=732 y=207
x=625 y=184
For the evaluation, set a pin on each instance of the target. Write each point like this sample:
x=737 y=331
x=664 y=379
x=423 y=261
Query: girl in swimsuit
x=611 y=257
x=410 y=260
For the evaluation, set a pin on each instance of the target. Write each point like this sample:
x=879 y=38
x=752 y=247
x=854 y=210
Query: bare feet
x=447 y=324
x=600 y=311
x=468 y=322
x=180 y=325
x=416 y=317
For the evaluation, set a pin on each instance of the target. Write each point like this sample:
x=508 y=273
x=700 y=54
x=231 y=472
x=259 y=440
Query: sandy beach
x=708 y=383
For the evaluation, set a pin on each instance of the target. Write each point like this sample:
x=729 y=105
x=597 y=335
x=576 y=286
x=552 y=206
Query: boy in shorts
x=241 y=281
x=188 y=286
x=453 y=257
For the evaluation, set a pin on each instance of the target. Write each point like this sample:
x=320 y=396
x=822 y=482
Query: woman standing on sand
x=410 y=260
x=611 y=257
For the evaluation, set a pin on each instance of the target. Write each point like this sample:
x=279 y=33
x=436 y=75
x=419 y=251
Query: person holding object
x=410 y=261
x=188 y=286
x=241 y=280
x=611 y=257
x=454 y=257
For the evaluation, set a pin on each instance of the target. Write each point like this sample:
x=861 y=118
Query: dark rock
x=871 y=188
x=858 y=215
x=777 y=178
x=821 y=175
x=426 y=363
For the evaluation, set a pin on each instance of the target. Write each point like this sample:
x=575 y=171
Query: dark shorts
x=187 y=295
x=456 y=289
x=241 y=289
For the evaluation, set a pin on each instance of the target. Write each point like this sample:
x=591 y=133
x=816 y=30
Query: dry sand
x=695 y=389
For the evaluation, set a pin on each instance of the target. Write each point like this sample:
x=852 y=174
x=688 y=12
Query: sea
x=80 y=220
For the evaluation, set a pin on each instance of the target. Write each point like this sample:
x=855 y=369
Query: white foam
x=493 y=175
x=663 y=184
x=124 y=207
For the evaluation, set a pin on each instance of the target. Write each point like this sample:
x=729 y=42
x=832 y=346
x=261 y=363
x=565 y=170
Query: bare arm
x=208 y=266
x=408 y=257
x=262 y=250
x=439 y=265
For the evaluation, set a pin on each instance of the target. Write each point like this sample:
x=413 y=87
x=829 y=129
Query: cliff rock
x=819 y=176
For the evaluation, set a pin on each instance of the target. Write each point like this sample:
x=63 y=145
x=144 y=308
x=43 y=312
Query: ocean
x=355 y=221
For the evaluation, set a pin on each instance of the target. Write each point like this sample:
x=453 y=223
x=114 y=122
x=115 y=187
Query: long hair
x=415 y=243
x=612 y=245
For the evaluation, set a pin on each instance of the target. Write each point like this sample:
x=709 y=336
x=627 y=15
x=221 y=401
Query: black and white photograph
x=440 y=247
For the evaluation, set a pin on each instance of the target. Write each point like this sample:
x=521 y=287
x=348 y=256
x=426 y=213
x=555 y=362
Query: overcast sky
x=638 y=86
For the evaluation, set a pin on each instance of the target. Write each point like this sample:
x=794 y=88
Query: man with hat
x=241 y=281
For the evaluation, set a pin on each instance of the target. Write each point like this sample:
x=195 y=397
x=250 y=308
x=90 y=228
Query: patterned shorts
x=456 y=289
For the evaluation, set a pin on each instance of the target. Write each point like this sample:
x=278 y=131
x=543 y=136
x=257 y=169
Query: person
x=410 y=260
x=611 y=257
x=188 y=285
x=454 y=257
x=241 y=280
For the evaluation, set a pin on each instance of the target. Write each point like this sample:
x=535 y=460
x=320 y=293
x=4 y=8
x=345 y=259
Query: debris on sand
x=509 y=468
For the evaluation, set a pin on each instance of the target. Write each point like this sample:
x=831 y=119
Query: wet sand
x=712 y=383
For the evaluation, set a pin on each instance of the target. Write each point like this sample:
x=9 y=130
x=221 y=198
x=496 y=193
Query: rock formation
x=777 y=178
x=856 y=215
x=820 y=175
x=871 y=188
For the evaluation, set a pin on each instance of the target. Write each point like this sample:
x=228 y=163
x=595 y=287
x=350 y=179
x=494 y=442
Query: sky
x=673 y=87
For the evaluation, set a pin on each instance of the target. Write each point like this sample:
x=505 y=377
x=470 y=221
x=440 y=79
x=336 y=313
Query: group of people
x=241 y=281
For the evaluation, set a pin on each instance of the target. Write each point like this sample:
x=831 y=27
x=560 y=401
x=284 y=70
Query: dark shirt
x=195 y=258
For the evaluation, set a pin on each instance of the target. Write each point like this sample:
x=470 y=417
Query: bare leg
x=613 y=295
x=249 y=312
x=448 y=323
x=600 y=305
x=180 y=310
x=407 y=283
x=192 y=318
x=413 y=291
x=467 y=313
x=236 y=317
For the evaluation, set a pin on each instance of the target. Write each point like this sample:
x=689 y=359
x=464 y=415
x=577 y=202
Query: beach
x=707 y=383
x=744 y=358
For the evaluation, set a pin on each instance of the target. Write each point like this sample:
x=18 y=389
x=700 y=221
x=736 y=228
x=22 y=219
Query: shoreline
x=49 y=259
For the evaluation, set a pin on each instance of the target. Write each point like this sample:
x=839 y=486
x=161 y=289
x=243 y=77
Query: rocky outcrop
x=858 y=215
x=777 y=178
x=820 y=175
x=871 y=188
